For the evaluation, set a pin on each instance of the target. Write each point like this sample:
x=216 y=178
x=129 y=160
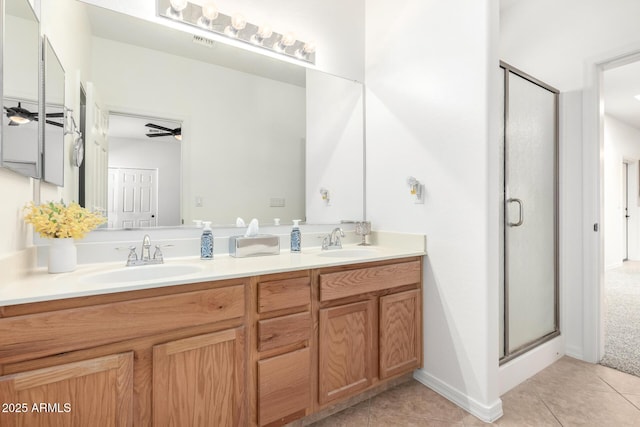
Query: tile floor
x=567 y=393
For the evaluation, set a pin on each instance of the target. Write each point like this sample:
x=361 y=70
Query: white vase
x=63 y=255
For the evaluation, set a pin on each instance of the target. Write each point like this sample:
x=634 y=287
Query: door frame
x=593 y=199
x=556 y=201
x=625 y=201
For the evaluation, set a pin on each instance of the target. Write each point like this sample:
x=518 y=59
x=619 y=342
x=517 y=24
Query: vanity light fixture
x=416 y=188
x=263 y=33
x=306 y=50
x=209 y=14
x=287 y=40
x=176 y=7
x=238 y=22
x=205 y=15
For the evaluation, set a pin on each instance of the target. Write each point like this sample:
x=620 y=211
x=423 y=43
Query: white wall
x=334 y=158
x=65 y=24
x=621 y=144
x=336 y=26
x=559 y=43
x=432 y=101
x=243 y=135
x=551 y=39
x=161 y=155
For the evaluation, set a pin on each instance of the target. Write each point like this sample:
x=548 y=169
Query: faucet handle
x=133 y=256
x=157 y=255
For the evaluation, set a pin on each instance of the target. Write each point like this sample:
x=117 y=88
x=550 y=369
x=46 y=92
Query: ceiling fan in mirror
x=20 y=116
x=157 y=130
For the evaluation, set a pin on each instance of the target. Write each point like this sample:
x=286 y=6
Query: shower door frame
x=510 y=355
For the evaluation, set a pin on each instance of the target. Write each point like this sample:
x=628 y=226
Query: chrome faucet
x=145 y=254
x=333 y=239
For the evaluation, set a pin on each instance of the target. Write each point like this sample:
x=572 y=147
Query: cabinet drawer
x=280 y=294
x=284 y=388
x=359 y=281
x=37 y=335
x=281 y=331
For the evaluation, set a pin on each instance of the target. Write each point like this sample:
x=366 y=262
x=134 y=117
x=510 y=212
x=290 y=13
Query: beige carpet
x=622 y=318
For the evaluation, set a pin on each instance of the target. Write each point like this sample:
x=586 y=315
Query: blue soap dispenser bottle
x=296 y=239
x=206 y=241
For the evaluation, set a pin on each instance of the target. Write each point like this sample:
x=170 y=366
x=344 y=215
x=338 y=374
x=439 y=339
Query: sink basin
x=140 y=273
x=348 y=253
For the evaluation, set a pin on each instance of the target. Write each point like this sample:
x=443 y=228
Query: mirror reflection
x=20 y=139
x=145 y=169
x=53 y=165
x=242 y=119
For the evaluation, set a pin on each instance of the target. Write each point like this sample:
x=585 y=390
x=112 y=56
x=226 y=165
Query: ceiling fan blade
x=12 y=123
x=51 y=122
x=151 y=125
x=55 y=115
x=153 y=135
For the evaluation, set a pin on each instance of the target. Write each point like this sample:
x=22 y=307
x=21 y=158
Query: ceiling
x=621 y=84
x=133 y=127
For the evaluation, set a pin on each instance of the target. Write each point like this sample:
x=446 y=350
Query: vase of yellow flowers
x=62 y=224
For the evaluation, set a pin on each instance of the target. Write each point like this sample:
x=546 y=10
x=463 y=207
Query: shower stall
x=529 y=231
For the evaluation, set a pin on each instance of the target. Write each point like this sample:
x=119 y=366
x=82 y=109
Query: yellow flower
x=57 y=220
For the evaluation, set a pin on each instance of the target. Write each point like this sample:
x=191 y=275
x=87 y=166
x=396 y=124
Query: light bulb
x=209 y=10
x=19 y=119
x=264 y=31
x=238 y=22
x=288 y=39
x=178 y=5
x=285 y=41
x=306 y=50
x=309 y=48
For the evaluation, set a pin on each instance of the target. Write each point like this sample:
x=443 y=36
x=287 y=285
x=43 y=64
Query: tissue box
x=262 y=244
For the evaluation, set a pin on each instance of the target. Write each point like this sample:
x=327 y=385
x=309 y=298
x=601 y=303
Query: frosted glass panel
x=529 y=194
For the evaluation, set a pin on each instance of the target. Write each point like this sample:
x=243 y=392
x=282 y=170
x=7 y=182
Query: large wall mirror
x=20 y=89
x=243 y=133
x=53 y=164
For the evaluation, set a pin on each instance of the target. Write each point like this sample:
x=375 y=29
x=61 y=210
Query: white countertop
x=38 y=285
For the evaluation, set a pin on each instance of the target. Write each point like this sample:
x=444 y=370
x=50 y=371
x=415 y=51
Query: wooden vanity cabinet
x=283 y=345
x=71 y=394
x=255 y=351
x=370 y=326
x=167 y=356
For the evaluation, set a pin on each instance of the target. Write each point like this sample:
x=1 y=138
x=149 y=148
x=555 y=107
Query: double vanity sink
x=105 y=278
x=264 y=340
x=183 y=269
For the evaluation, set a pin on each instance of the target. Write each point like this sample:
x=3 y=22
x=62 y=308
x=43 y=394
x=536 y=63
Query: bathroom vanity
x=264 y=347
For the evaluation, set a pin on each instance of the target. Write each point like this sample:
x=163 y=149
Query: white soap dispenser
x=296 y=238
x=206 y=241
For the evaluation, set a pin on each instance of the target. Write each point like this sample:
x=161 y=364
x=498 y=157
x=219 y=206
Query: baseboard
x=612 y=266
x=485 y=413
x=574 y=351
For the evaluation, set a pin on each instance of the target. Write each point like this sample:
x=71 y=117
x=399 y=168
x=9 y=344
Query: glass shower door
x=530 y=227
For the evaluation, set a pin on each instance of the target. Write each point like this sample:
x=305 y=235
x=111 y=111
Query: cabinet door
x=90 y=392
x=284 y=387
x=400 y=333
x=199 y=381
x=346 y=349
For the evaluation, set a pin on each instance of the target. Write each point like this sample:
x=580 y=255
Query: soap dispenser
x=206 y=242
x=296 y=239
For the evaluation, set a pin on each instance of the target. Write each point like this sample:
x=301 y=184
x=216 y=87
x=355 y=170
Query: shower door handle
x=520 y=213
